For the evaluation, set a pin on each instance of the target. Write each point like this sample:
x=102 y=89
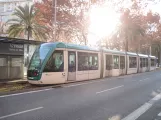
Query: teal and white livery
x=56 y=63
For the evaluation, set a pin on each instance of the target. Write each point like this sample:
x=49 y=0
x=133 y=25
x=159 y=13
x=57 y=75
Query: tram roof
x=131 y=53
x=114 y=51
x=142 y=55
x=152 y=57
x=70 y=46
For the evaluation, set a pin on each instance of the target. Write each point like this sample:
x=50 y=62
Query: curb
x=14 y=81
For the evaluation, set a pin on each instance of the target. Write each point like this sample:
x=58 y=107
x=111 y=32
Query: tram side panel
x=132 y=64
x=94 y=65
x=152 y=64
x=122 y=65
x=116 y=65
x=108 y=64
x=55 y=69
x=88 y=65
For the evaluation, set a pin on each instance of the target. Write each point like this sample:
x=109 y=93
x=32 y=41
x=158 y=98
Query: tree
x=152 y=20
x=24 y=23
x=70 y=18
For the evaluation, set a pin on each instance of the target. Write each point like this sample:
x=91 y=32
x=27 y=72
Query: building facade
x=13 y=57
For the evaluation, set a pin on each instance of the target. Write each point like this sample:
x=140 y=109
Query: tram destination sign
x=9 y=48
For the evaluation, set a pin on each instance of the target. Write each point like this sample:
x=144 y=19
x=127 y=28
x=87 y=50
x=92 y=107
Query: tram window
x=71 y=61
x=55 y=63
x=116 y=61
x=152 y=62
x=122 y=62
x=108 y=62
x=146 y=62
x=132 y=62
x=93 y=61
x=141 y=62
x=83 y=61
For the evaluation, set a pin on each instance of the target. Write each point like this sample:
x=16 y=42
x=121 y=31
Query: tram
x=57 y=62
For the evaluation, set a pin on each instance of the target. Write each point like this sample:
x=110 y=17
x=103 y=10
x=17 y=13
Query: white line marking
x=137 y=113
x=110 y=89
x=141 y=110
x=6 y=116
x=144 y=79
x=156 y=98
x=159 y=114
x=24 y=93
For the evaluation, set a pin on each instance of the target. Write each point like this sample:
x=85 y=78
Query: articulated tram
x=56 y=63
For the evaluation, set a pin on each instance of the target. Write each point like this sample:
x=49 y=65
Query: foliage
x=24 y=23
x=71 y=19
x=138 y=26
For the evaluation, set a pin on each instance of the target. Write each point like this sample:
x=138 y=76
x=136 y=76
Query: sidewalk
x=24 y=80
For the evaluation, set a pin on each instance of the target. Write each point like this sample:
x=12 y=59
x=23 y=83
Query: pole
x=126 y=50
x=55 y=21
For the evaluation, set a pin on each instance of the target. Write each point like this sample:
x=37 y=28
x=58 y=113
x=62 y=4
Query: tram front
x=47 y=64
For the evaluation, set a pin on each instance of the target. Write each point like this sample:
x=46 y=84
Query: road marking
x=110 y=89
x=141 y=110
x=144 y=79
x=137 y=113
x=159 y=114
x=18 y=113
x=3 y=96
x=156 y=98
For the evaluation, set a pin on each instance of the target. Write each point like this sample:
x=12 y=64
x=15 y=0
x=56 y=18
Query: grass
x=14 y=87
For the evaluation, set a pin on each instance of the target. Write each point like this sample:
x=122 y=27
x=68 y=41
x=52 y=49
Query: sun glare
x=103 y=22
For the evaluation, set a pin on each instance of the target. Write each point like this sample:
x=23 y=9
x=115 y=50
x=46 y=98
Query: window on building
x=55 y=62
x=93 y=61
x=82 y=61
x=122 y=62
x=109 y=62
x=132 y=62
x=116 y=61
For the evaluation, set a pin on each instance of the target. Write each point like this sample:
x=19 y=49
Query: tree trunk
x=28 y=38
x=84 y=37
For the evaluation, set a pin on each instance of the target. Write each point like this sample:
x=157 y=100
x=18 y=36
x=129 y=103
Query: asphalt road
x=91 y=100
x=154 y=113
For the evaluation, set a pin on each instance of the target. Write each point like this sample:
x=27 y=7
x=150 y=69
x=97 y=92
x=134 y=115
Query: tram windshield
x=39 y=57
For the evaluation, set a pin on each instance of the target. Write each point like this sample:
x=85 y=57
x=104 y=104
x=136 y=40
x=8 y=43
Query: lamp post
x=54 y=5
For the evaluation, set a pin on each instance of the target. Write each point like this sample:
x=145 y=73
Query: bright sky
x=104 y=20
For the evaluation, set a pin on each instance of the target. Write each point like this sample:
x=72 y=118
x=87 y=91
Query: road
x=90 y=100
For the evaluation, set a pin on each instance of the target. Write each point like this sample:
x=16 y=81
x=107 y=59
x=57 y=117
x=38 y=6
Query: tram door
x=71 y=65
x=122 y=65
x=141 y=65
x=109 y=64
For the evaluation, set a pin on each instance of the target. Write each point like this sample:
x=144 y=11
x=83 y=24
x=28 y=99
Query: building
x=13 y=55
x=7 y=8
